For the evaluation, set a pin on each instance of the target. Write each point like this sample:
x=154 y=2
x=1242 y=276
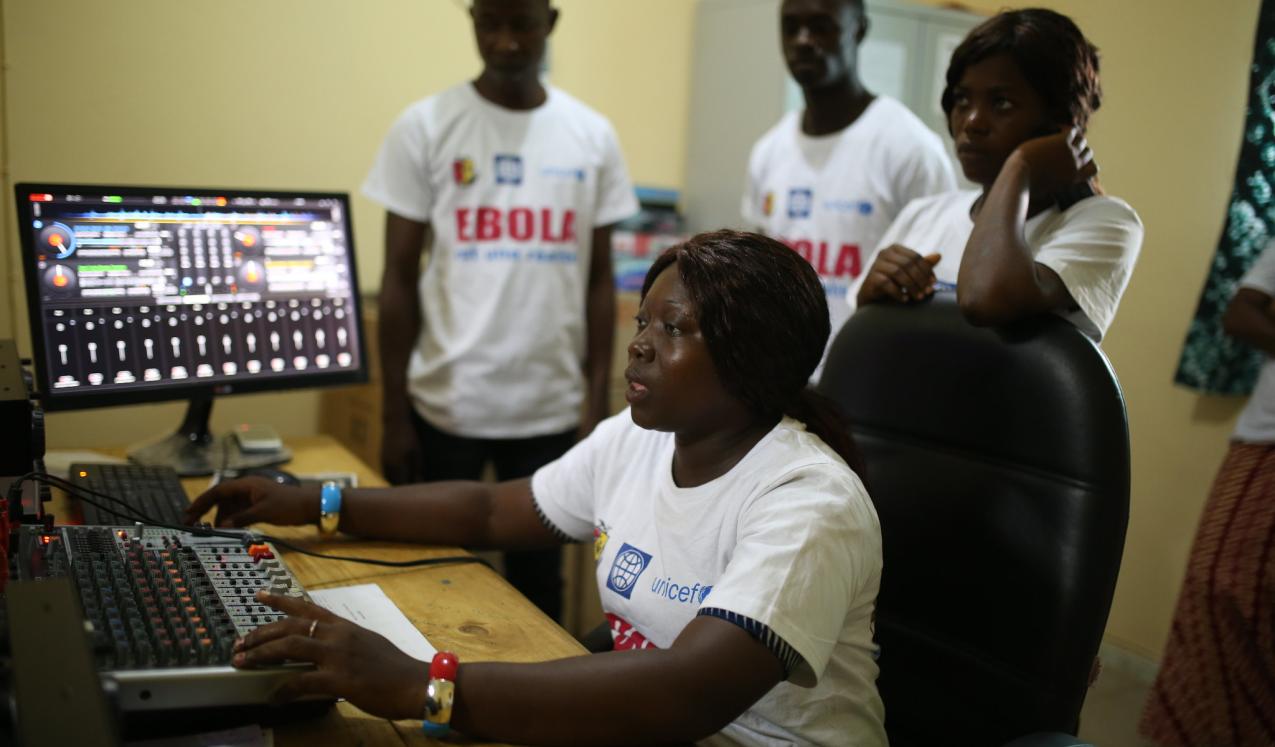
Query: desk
x=468 y=608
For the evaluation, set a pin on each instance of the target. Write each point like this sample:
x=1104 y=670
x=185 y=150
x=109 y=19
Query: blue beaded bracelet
x=329 y=508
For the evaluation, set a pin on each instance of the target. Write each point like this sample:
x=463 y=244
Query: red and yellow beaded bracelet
x=440 y=694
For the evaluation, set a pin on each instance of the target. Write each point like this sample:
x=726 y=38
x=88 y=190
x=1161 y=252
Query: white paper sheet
x=368 y=606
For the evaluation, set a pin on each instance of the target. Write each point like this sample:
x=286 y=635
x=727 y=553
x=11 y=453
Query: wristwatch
x=329 y=508
x=441 y=693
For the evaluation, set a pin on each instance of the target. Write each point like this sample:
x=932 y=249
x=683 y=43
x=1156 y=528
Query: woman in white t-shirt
x=739 y=555
x=1038 y=235
x=1216 y=682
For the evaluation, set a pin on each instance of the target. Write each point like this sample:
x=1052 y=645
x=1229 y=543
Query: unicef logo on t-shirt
x=509 y=169
x=628 y=565
x=799 y=202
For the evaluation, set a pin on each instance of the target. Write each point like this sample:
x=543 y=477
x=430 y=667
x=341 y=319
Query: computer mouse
x=272 y=473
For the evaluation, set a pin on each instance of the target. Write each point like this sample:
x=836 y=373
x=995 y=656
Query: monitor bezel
x=67 y=400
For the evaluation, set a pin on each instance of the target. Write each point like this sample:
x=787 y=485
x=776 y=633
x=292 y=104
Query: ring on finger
x=313 y=624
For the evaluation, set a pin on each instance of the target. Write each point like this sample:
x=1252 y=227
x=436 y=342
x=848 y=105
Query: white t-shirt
x=1092 y=246
x=513 y=198
x=831 y=197
x=1257 y=422
x=787 y=542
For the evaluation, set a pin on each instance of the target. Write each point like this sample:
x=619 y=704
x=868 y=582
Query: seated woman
x=1039 y=235
x=738 y=553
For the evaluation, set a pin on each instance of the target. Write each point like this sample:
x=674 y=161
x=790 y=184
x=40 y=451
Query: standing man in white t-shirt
x=493 y=349
x=829 y=180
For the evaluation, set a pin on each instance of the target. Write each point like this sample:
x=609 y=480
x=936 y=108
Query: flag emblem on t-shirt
x=463 y=171
x=600 y=537
x=768 y=204
x=508 y=169
x=799 y=202
x=626 y=568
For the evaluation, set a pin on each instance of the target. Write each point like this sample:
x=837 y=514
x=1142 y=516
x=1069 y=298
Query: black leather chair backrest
x=998 y=461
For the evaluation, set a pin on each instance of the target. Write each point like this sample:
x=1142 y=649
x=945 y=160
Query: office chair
x=998 y=461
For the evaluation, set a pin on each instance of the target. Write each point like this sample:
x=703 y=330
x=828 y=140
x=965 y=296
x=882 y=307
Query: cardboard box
x=352 y=414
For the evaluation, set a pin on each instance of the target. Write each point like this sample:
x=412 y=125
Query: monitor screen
x=139 y=294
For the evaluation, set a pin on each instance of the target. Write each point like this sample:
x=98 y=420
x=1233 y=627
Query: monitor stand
x=193 y=450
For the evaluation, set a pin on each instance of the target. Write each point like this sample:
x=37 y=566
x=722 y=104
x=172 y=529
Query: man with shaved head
x=496 y=349
x=829 y=179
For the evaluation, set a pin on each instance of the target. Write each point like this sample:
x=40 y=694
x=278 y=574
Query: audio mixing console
x=163 y=608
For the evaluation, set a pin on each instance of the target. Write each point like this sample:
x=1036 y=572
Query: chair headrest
x=921 y=371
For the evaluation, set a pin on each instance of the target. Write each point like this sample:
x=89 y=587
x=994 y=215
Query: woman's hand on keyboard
x=255 y=499
x=350 y=662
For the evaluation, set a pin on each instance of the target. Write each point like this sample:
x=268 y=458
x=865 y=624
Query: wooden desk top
x=467 y=608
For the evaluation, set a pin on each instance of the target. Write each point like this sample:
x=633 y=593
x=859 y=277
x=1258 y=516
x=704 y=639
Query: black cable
x=79 y=491
x=446 y=559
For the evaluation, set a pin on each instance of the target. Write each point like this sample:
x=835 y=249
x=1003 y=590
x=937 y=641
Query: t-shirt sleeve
x=808 y=554
x=1093 y=251
x=399 y=178
x=565 y=490
x=1261 y=276
x=616 y=198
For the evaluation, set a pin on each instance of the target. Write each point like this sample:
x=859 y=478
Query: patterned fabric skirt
x=1216 y=685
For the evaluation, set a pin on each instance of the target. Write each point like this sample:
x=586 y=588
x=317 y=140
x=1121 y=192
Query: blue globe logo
x=626 y=569
x=628 y=565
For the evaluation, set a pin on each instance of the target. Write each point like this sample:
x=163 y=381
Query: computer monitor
x=142 y=294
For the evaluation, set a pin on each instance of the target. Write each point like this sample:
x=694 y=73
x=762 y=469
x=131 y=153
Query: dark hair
x=1055 y=58
x=764 y=318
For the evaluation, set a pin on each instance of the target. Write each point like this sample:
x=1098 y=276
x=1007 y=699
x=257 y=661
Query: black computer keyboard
x=154 y=493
